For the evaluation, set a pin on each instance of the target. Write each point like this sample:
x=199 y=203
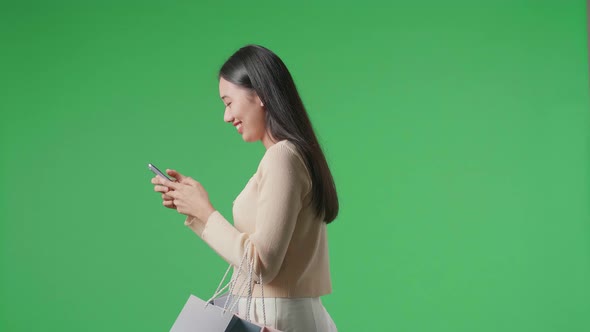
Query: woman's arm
x=282 y=187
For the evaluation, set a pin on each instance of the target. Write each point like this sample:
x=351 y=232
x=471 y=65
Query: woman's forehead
x=226 y=88
x=230 y=90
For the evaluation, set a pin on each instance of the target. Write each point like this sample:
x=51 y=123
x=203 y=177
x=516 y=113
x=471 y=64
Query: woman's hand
x=186 y=195
x=167 y=200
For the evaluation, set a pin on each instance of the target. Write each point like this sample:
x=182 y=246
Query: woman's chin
x=247 y=138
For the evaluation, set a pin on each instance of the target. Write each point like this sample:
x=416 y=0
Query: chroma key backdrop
x=457 y=131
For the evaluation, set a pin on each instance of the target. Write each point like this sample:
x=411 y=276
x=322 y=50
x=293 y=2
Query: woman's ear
x=257 y=99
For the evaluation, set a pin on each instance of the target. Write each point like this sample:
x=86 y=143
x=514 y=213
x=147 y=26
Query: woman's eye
x=227 y=104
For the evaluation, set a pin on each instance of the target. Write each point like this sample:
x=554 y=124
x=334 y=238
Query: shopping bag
x=216 y=314
x=198 y=315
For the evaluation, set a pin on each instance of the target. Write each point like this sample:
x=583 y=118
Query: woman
x=281 y=215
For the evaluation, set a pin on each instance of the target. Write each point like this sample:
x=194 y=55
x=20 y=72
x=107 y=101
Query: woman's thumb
x=179 y=177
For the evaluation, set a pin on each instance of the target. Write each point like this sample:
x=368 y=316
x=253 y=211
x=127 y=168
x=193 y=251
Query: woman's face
x=244 y=110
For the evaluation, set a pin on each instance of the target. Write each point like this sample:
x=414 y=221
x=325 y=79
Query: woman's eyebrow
x=223 y=97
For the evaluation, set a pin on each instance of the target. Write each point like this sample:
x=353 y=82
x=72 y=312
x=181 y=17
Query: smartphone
x=158 y=172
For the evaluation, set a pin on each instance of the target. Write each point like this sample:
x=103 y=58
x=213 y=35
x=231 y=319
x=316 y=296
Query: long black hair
x=258 y=69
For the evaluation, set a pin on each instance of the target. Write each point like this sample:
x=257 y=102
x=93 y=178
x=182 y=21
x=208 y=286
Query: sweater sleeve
x=282 y=186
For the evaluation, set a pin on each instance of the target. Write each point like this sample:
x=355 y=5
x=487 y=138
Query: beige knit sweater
x=288 y=243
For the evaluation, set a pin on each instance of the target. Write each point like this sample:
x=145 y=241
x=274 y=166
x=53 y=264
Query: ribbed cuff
x=218 y=225
x=195 y=224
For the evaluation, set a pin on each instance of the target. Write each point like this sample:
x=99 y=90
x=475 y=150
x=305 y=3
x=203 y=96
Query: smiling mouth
x=239 y=127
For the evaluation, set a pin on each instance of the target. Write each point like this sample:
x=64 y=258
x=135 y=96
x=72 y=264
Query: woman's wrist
x=206 y=214
x=189 y=220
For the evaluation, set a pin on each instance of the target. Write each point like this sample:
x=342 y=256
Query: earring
x=261 y=104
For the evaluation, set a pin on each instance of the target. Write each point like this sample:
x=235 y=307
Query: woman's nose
x=227 y=117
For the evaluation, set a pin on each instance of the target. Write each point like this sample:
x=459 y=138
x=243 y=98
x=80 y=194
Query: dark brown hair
x=258 y=69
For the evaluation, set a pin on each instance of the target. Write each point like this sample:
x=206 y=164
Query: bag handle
x=232 y=285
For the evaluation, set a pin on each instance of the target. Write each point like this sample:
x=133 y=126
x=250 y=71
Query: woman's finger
x=156 y=180
x=169 y=204
x=173 y=194
x=170 y=184
x=162 y=189
x=179 y=177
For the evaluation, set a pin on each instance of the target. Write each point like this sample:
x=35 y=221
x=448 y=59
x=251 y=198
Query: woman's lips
x=239 y=127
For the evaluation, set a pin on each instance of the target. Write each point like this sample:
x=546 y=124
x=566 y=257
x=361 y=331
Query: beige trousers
x=289 y=314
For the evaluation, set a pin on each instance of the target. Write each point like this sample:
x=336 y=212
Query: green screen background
x=457 y=133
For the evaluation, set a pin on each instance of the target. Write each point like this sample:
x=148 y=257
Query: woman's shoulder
x=282 y=151
x=283 y=161
x=284 y=145
x=284 y=157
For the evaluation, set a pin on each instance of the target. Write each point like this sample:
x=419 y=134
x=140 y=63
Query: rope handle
x=232 y=286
